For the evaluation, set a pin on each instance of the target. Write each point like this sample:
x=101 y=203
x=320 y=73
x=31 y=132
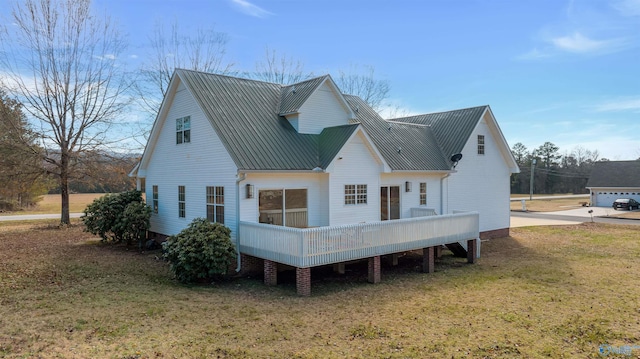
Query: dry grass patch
x=543 y=292
x=50 y=203
x=549 y=205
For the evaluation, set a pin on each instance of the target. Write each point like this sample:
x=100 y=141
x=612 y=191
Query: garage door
x=605 y=199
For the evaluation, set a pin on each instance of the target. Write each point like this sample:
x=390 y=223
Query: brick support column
x=428 y=259
x=374 y=270
x=270 y=272
x=303 y=281
x=438 y=251
x=472 y=251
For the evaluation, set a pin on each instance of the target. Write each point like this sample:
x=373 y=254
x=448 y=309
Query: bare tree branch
x=61 y=62
x=280 y=69
x=362 y=82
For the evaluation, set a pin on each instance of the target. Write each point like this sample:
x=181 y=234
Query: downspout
x=241 y=177
x=442 y=193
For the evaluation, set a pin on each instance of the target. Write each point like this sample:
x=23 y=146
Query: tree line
x=553 y=172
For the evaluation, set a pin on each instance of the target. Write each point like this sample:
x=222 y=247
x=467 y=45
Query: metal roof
x=615 y=174
x=247 y=116
x=294 y=96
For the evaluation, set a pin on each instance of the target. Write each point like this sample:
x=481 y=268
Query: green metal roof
x=246 y=115
x=615 y=174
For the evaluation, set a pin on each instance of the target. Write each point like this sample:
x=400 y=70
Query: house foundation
x=303 y=281
x=428 y=259
x=270 y=272
x=374 y=270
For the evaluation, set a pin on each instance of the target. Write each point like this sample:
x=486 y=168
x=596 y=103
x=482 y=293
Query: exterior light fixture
x=407 y=186
x=249 y=190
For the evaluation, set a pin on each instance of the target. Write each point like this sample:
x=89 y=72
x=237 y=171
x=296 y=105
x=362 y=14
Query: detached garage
x=611 y=180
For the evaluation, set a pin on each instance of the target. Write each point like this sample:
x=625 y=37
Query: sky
x=562 y=71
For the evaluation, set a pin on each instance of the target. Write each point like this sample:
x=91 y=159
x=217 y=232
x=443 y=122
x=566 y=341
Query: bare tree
x=280 y=69
x=60 y=61
x=204 y=50
x=362 y=82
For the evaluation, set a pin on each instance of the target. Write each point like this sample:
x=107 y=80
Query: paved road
x=521 y=197
x=27 y=217
x=521 y=219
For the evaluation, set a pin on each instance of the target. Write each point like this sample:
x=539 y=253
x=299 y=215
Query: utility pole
x=533 y=166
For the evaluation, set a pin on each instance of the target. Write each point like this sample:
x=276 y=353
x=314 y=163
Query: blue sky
x=562 y=71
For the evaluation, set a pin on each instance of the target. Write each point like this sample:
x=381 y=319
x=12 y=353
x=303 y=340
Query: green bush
x=203 y=250
x=117 y=218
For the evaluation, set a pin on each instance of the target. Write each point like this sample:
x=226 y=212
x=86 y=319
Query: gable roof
x=615 y=174
x=248 y=116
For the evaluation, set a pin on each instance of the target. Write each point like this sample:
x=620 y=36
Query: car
x=626 y=203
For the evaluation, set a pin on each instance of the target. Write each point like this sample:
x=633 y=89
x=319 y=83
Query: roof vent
x=293 y=89
x=399 y=149
x=357 y=108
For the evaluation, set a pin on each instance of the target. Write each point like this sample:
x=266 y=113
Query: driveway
x=571 y=216
x=28 y=217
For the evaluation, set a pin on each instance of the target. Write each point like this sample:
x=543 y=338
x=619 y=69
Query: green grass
x=543 y=292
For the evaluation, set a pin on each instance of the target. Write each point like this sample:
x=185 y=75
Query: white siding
x=311 y=182
x=357 y=166
x=411 y=199
x=322 y=109
x=202 y=162
x=604 y=197
x=482 y=182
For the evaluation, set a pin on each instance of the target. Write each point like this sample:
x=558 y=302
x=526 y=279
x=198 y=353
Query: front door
x=389 y=202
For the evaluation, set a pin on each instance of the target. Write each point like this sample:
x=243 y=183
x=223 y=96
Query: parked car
x=626 y=203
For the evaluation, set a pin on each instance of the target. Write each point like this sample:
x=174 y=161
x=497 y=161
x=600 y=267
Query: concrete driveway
x=578 y=215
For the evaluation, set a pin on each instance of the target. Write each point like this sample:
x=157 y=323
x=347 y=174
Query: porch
x=304 y=248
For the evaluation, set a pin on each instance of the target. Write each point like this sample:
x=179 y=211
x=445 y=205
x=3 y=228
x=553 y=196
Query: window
x=181 y=202
x=183 y=130
x=423 y=193
x=355 y=194
x=155 y=199
x=215 y=204
x=481 y=144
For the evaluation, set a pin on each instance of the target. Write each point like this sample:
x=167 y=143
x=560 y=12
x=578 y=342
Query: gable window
x=355 y=194
x=183 y=130
x=215 y=204
x=155 y=199
x=181 y=202
x=481 y=144
x=423 y=193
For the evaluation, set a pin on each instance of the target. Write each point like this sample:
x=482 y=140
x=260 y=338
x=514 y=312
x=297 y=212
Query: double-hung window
x=155 y=199
x=481 y=144
x=183 y=130
x=181 y=202
x=355 y=194
x=423 y=193
x=215 y=204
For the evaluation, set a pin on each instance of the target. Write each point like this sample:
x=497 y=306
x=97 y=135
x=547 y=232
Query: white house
x=610 y=180
x=304 y=175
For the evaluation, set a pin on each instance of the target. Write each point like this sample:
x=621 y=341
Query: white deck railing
x=309 y=247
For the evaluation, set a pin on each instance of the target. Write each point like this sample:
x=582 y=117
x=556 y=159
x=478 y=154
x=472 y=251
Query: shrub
x=203 y=250
x=116 y=218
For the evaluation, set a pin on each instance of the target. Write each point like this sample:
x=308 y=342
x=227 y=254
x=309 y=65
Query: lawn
x=543 y=292
x=549 y=205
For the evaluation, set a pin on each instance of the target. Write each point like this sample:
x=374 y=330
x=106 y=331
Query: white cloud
x=250 y=9
x=625 y=104
x=581 y=44
x=534 y=54
x=627 y=7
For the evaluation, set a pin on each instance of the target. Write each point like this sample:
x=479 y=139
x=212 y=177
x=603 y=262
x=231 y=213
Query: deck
x=310 y=247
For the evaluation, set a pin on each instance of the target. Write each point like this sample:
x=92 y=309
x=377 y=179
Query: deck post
x=303 y=281
x=472 y=251
x=270 y=272
x=394 y=259
x=428 y=259
x=374 y=270
x=438 y=253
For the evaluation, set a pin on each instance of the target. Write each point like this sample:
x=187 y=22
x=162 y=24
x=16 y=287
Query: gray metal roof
x=615 y=174
x=294 y=96
x=451 y=128
x=246 y=115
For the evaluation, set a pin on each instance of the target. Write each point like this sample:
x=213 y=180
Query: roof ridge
x=439 y=112
x=307 y=80
x=228 y=76
x=407 y=123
